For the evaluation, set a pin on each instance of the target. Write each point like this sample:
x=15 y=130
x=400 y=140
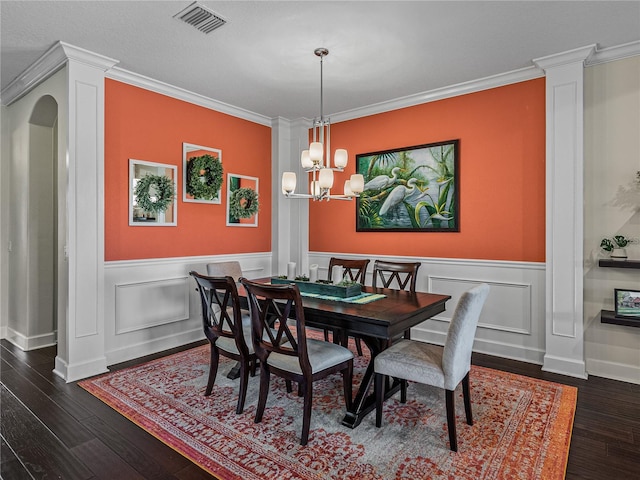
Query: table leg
x=365 y=402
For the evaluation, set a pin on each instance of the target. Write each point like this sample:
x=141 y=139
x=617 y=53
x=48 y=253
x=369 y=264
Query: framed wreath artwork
x=152 y=194
x=243 y=201
x=201 y=174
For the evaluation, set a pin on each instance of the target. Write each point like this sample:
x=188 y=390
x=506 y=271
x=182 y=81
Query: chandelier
x=316 y=161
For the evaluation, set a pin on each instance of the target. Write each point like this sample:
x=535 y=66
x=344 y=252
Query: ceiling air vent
x=200 y=17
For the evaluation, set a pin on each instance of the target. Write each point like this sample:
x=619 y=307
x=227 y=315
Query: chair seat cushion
x=412 y=360
x=322 y=355
x=228 y=344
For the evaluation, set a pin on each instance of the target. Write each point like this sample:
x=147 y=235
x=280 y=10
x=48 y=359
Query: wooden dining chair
x=444 y=367
x=405 y=275
x=356 y=271
x=227 y=329
x=397 y=275
x=284 y=349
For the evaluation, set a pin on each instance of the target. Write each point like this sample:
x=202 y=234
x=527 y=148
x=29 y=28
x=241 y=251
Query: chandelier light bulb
x=305 y=159
x=347 y=188
x=357 y=183
x=288 y=182
x=340 y=158
x=325 y=178
x=315 y=152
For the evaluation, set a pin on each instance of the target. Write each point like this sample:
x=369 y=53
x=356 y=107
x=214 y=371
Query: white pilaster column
x=564 y=332
x=85 y=336
x=290 y=237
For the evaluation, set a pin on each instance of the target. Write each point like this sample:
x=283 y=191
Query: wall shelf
x=609 y=316
x=605 y=262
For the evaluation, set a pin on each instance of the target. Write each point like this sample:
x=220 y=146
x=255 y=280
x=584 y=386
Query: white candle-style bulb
x=340 y=158
x=305 y=159
x=288 y=182
x=347 y=188
x=314 y=189
x=325 y=178
x=315 y=152
x=357 y=183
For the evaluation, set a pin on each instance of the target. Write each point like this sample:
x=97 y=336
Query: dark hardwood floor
x=51 y=429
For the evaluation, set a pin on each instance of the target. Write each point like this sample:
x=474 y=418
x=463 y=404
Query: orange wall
x=502 y=176
x=148 y=126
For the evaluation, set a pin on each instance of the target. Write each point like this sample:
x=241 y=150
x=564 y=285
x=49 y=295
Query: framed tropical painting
x=410 y=189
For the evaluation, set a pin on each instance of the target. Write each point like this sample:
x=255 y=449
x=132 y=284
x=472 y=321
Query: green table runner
x=362 y=298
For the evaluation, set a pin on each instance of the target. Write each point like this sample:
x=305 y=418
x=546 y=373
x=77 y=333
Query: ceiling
x=262 y=60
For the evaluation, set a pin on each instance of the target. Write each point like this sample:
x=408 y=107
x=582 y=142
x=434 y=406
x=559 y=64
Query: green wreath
x=204 y=177
x=164 y=193
x=246 y=209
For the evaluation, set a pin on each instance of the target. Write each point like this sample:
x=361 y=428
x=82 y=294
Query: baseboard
x=564 y=366
x=614 y=371
x=156 y=345
x=77 y=371
x=28 y=343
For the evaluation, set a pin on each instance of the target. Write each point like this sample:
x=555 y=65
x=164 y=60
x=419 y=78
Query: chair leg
x=467 y=399
x=326 y=335
x=451 y=419
x=289 y=387
x=264 y=391
x=307 y=388
x=244 y=381
x=403 y=391
x=213 y=369
x=378 y=388
x=358 y=346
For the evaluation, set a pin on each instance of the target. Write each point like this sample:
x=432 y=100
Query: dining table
x=377 y=323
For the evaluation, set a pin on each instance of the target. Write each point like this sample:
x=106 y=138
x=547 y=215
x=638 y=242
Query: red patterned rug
x=522 y=426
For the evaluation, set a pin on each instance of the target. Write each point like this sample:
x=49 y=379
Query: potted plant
x=616 y=246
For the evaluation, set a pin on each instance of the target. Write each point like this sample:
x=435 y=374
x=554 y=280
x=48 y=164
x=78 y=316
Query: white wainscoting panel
x=512 y=324
x=149 y=304
x=152 y=305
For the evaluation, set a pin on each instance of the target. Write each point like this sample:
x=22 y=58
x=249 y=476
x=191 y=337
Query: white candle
x=313 y=273
x=291 y=271
x=336 y=274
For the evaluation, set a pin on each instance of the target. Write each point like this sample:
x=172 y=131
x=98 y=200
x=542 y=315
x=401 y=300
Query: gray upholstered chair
x=443 y=367
x=287 y=352
x=224 y=269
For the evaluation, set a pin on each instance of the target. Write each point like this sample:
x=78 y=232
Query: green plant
x=158 y=199
x=617 y=241
x=243 y=203
x=204 y=177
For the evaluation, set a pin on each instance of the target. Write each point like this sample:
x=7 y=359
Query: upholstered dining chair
x=356 y=271
x=227 y=328
x=284 y=349
x=444 y=367
x=223 y=269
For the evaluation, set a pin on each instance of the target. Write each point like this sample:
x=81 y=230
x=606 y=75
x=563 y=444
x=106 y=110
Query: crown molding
x=611 y=54
x=576 y=55
x=147 y=83
x=486 y=83
x=49 y=63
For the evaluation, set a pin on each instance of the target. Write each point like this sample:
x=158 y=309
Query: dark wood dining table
x=377 y=323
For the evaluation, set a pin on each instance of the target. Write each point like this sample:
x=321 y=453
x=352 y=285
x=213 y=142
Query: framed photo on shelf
x=627 y=303
x=410 y=189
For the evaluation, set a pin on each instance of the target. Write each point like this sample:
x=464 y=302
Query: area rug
x=522 y=426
